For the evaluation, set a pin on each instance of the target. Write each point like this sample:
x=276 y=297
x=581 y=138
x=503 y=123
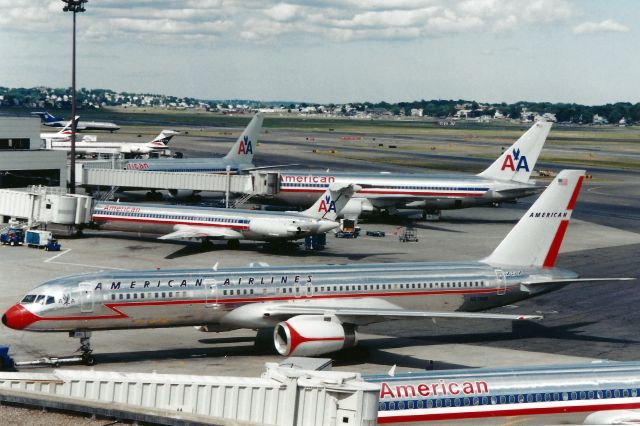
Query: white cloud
x=271 y=20
x=606 y=26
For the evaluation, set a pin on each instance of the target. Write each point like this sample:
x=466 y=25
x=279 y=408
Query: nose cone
x=326 y=226
x=18 y=317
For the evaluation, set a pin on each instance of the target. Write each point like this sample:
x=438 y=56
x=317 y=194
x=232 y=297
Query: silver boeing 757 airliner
x=313 y=310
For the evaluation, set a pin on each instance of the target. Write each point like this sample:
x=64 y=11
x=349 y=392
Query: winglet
x=517 y=162
x=536 y=238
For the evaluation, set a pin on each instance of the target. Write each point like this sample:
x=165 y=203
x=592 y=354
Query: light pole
x=74 y=6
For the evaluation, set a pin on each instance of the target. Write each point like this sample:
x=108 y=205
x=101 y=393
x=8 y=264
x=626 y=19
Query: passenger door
x=211 y=293
x=501 y=281
x=86 y=297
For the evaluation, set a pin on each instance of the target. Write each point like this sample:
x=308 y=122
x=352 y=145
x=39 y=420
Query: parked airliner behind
x=313 y=310
x=233 y=225
x=507 y=179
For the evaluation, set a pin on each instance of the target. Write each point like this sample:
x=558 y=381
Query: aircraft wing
x=380 y=313
x=186 y=231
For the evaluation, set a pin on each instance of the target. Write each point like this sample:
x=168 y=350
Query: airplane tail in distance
x=517 y=162
x=536 y=238
x=66 y=130
x=242 y=151
x=48 y=118
x=332 y=201
x=163 y=138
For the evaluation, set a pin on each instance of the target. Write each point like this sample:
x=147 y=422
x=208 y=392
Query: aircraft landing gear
x=86 y=354
x=85 y=346
x=431 y=215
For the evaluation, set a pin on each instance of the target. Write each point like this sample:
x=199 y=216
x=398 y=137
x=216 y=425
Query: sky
x=582 y=51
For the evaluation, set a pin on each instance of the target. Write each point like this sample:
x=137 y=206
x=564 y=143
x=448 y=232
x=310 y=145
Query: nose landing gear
x=85 y=346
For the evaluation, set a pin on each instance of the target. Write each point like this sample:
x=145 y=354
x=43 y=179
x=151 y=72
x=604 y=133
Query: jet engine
x=277 y=229
x=310 y=335
x=183 y=194
x=356 y=206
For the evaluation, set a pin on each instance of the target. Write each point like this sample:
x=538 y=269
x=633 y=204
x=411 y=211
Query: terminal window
x=14 y=143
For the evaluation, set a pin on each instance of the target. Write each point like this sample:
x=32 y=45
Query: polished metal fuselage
x=157 y=298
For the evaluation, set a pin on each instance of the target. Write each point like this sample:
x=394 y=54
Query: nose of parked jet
x=18 y=317
x=326 y=226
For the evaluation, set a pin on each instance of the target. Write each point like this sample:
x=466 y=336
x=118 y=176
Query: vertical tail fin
x=517 y=162
x=163 y=138
x=332 y=201
x=48 y=118
x=536 y=238
x=66 y=130
x=242 y=150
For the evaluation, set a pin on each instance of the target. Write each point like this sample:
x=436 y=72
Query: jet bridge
x=41 y=204
x=114 y=174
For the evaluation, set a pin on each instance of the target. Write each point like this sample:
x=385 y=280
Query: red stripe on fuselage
x=169 y=222
x=237 y=301
x=381 y=192
x=509 y=412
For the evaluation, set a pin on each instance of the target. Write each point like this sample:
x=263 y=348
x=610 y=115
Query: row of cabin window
x=367 y=287
x=509 y=399
x=433 y=188
x=147 y=295
x=177 y=217
x=415 y=187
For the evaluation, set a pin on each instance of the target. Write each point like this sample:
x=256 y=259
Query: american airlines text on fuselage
x=441 y=388
x=307 y=179
x=197 y=282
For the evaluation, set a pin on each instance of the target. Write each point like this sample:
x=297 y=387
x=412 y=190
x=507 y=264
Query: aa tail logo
x=327 y=205
x=245 y=146
x=515 y=162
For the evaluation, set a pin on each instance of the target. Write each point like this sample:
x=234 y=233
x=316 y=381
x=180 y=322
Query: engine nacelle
x=275 y=229
x=356 y=206
x=311 y=335
x=182 y=193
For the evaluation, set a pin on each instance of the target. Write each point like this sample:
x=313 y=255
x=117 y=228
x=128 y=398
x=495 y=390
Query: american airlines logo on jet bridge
x=245 y=146
x=327 y=205
x=515 y=162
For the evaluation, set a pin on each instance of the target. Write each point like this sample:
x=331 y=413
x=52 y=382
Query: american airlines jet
x=507 y=179
x=232 y=225
x=61 y=141
x=313 y=310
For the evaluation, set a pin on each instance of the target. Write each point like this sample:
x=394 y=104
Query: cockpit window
x=29 y=298
x=50 y=300
x=40 y=299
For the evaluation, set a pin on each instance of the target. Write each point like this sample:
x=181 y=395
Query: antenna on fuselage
x=215 y=267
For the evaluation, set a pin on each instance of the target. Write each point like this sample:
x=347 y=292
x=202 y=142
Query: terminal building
x=22 y=161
